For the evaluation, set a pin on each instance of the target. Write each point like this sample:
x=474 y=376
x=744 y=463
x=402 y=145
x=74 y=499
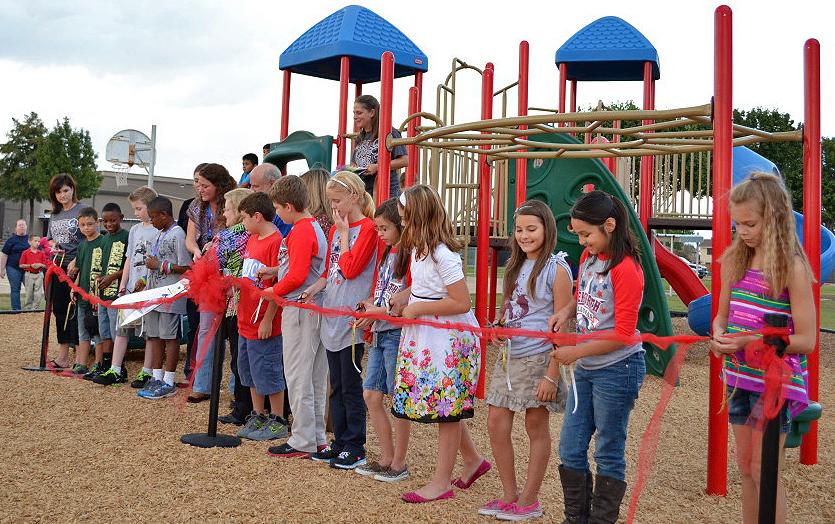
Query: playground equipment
x=664 y=164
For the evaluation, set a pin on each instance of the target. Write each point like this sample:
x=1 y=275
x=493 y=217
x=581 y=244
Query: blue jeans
x=382 y=362
x=606 y=396
x=15 y=281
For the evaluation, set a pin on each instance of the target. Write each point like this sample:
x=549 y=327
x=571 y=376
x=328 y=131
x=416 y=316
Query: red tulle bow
x=777 y=373
x=207 y=286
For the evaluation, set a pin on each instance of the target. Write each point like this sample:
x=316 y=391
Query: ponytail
x=596 y=208
x=351 y=183
x=367 y=205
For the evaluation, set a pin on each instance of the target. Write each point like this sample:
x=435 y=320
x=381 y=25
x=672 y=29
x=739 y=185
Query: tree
x=18 y=180
x=67 y=150
x=828 y=182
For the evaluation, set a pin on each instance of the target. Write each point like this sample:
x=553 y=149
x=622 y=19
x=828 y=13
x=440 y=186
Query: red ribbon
x=777 y=373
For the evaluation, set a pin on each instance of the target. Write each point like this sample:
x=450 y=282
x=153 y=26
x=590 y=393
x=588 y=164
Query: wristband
x=549 y=379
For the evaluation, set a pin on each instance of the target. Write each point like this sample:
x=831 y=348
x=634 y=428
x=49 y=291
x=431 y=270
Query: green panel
x=559 y=183
x=302 y=145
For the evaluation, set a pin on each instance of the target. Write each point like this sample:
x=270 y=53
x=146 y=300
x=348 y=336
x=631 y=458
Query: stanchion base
x=36 y=368
x=203 y=440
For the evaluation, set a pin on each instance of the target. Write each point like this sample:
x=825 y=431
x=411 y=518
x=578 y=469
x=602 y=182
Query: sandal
x=56 y=365
x=483 y=468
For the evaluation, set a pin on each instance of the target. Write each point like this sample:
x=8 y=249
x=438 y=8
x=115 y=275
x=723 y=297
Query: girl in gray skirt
x=525 y=379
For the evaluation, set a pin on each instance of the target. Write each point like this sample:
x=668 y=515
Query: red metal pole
x=384 y=155
x=357 y=90
x=812 y=220
x=573 y=101
x=483 y=230
x=717 y=421
x=411 y=167
x=561 y=101
x=494 y=280
x=344 y=75
x=418 y=109
x=285 y=106
x=645 y=188
x=522 y=110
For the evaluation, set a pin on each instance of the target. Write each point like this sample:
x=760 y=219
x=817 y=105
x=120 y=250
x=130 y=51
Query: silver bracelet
x=549 y=379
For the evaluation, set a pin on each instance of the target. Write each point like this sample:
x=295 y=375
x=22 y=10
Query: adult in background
x=10 y=261
x=261 y=180
x=63 y=229
x=205 y=220
x=191 y=308
x=366 y=151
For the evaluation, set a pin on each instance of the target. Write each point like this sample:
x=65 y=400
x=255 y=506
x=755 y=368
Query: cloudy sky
x=206 y=72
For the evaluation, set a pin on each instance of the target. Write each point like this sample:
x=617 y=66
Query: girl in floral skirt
x=437 y=369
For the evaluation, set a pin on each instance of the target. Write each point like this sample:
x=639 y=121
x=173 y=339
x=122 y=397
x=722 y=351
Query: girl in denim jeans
x=609 y=373
x=382 y=357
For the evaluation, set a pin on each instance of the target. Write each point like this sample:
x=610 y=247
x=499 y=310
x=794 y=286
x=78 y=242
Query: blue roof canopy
x=358 y=33
x=608 y=49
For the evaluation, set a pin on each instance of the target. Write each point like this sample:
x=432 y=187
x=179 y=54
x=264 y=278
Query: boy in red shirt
x=260 y=360
x=300 y=264
x=33 y=262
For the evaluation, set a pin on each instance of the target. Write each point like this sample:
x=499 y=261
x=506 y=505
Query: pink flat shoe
x=413 y=498
x=483 y=468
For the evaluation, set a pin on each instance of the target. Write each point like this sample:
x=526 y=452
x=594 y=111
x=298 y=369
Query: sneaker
x=141 y=379
x=161 y=391
x=348 y=460
x=515 y=512
x=287 y=451
x=369 y=469
x=79 y=369
x=493 y=508
x=254 y=422
x=97 y=369
x=274 y=428
x=108 y=378
x=325 y=455
x=231 y=418
x=149 y=387
x=390 y=475
x=123 y=375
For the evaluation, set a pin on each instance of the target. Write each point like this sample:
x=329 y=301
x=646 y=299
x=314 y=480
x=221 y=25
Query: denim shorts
x=261 y=364
x=744 y=407
x=84 y=309
x=382 y=362
x=108 y=323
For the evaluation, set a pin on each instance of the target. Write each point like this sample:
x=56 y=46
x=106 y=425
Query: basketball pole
x=153 y=155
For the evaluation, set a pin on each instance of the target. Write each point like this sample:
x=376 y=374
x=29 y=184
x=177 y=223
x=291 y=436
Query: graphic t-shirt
x=608 y=302
x=367 y=151
x=115 y=249
x=63 y=229
x=90 y=262
x=523 y=311
x=169 y=246
x=301 y=259
x=385 y=286
x=140 y=240
x=259 y=252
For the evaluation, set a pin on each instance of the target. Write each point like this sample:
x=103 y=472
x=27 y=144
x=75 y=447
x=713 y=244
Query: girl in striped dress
x=764 y=271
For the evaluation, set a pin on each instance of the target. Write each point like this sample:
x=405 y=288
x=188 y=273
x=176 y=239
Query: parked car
x=699 y=269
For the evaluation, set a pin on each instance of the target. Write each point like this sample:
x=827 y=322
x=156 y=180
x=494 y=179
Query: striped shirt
x=750 y=302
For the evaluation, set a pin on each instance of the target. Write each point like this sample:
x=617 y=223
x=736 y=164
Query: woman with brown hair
x=63 y=229
x=205 y=214
x=366 y=149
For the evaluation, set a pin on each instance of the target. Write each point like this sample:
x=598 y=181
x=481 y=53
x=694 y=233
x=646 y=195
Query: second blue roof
x=358 y=33
x=608 y=49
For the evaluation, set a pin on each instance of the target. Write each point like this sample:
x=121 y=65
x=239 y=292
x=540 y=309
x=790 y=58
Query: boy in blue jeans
x=260 y=359
x=113 y=256
x=86 y=268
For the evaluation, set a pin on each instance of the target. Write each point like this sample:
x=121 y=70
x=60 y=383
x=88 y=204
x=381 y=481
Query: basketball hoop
x=121 y=171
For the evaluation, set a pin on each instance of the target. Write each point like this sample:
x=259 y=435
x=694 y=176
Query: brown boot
x=605 y=505
x=576 y=490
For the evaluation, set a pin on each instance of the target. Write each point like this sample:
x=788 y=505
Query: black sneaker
x=287 y=451
x=326 y=455
x=348 y=460
x=97 y=369
x=231 y=418
x=141 y=380
x=123 y=376
x=107 y=378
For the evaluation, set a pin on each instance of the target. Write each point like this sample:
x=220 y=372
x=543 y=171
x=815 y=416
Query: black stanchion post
x=770 y=457
x=211 y=439
x=47 y=313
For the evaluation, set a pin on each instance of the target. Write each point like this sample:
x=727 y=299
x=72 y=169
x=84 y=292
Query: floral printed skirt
x=437 y=372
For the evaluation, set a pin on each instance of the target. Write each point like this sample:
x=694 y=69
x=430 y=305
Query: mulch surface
x=75 y=451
